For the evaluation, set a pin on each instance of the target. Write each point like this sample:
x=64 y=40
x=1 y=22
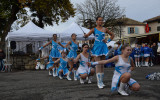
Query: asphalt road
x=37 y=85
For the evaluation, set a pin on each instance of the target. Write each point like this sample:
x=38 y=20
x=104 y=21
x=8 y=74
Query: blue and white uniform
x=121 y=67
x=63 y=66
x=142 y=52
x=137 y=52
x=50 y=62
x=83 y=68
x=99 y=47
x=151 y=52
x=146 y=51
x=73 y=50
x=54 y=51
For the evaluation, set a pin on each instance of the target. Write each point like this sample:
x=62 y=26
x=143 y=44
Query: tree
x=89 y=10
x=51 y=11
x=43 y=12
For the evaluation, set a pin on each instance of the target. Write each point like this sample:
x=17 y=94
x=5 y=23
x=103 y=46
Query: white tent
x=30 y=32
x=75 y=28
x=112 y=43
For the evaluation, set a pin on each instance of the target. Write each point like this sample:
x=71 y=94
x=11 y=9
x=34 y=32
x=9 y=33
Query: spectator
x=2 y=56
x=154 y=48
x=146 y=50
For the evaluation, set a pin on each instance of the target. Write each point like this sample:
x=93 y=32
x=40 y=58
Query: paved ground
x=37 y=85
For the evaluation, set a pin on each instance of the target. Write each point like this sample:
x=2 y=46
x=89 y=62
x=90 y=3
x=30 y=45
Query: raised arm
x=45 y=45
x=77 y=58
x=89 y=33
x=68 y=44
x=61 y=44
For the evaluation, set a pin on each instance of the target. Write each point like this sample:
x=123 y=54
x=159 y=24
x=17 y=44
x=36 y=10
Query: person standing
x=137 y=55
x=72 y=55
x=100 y=50
x=54 y=52
x=154 y=48
x=146 y=50
x=2 y=56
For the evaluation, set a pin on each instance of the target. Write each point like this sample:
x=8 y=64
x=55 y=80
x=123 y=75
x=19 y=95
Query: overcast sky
x=139 y=10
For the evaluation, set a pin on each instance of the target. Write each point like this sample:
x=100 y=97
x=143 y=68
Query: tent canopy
x=30 y=32
x=75 y=28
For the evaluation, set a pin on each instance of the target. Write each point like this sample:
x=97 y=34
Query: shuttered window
x=132 y=30
x=136 y=30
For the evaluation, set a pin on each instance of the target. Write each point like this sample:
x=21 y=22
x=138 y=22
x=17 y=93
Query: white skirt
x=137 y=56
x=146 y=55
x=83 y=70
x=116 y=79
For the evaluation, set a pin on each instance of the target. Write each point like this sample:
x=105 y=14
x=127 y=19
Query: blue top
x=99 y=47
x=63 y=63
x=151 y=51
x=146 y=50
x=142 y=52
x=73 y=46
x=54 y=45
x=99 y=36
x=137 y=51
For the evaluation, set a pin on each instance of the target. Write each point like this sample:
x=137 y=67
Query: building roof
x=128 y=21
x=153 y=19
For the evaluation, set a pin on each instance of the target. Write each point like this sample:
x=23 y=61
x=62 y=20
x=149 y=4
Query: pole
x=88 y=45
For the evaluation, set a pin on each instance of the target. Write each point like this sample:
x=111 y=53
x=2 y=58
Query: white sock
x=75 y=73
x=122 y=85
x=69 y=72
x=102 y=76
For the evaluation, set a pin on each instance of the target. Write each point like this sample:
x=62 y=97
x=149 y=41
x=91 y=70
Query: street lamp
x=120 y=27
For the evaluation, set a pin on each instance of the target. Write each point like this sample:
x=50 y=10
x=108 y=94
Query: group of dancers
x=143 y=55
x=123 y=63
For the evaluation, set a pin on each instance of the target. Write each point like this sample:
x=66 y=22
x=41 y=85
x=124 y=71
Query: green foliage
x=52 y=11
x=44 y=12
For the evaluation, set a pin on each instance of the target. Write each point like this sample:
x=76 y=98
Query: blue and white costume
x=63 y=66
x=83 y=68
x=142 y=52
x=151 y=52
x=120 y=68
x=73 y=50
x=99 y=47
x=146 y=51
x=50 y=62
x=137 y=52
x=54 y=51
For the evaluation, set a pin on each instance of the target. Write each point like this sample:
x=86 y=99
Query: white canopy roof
x=75 y=28
x=30 y=32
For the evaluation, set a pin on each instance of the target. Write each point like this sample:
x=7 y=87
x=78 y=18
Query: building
x=128 y=29
x=154 y=29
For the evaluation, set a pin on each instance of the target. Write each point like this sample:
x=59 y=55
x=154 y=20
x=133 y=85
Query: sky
x=139 y=10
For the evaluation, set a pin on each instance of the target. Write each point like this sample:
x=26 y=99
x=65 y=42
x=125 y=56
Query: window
x=131 y=29
x=158 y=21
x=158 y=28
x=149 y=28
